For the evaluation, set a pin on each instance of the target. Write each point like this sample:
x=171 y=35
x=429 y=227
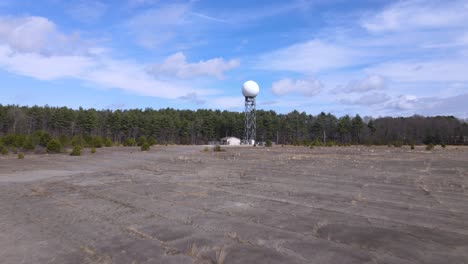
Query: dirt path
x=245 y=205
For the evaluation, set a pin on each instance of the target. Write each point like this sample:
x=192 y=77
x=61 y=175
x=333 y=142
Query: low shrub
x=20 y=156
x=145 y=146
x=443 y=145
x=93 y=150
x=97 y=142
x=44 y=139
x=54 y=146
x=397 y=144
x=28 y=144
x=151 y=141
x=330 y=143
x=76 y=151
x=141 y=140
x=4 y=150
x=206 y=149
x=108 y=142
x=268 y=143
x=77 y=141
x=129 y=142
x=412 y=146
x=217 y=148
x=430 y=147
x=64 y=140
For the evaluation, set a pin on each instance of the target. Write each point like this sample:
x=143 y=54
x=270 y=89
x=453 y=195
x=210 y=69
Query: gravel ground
x=244 y=205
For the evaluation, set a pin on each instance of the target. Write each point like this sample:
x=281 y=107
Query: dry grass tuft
x=138 y=233
x=39 y=191
x=92 y=257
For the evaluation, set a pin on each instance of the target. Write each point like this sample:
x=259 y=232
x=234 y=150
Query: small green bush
x=412 y=146
x=44 y=139
x=76 y=151
x=77 y=141
x=141 y=140
x=97 y=142
x=330 y=143
x=64 y=140
x=108 y=142
x=20 y=156
x=443 y=145
x=88 y=141
x=28 y=144
x=4 y=150
x=397 y=144
x=151 y=141
x=54 y=146
x=93 y=150
x=268 y=143
x=145 y=147
x=129 y=142
x=317 y=143
x=430 y=147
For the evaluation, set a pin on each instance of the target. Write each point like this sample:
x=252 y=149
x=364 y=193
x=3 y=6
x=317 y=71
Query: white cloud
x=28 y=34
x=405 y=102
x=367 y=100
x=432 y=70
x=177 y=65
x=370 y=83
x=43 y=67
x=409 y=105
x=193 y=97
x=285 y=86
x=157 y=26
x=88 y=11
x=37 y=35
x=227 y=102
x=417 y=14
x=33 y=47
x=309 y=57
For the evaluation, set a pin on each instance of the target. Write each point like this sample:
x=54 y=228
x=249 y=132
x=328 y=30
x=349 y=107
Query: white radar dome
x=250 y=89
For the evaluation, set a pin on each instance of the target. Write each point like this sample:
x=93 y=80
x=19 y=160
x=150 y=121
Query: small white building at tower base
x=233 y=141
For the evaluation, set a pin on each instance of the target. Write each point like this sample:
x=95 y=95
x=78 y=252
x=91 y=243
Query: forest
x=36 y=125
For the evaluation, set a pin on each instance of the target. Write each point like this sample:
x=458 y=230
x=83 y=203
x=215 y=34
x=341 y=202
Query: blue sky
x=370 y=57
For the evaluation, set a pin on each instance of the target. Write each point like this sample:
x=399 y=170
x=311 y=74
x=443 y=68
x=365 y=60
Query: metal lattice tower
x=250 y=120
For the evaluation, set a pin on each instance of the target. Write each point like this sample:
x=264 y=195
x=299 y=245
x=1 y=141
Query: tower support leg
x=250 y=120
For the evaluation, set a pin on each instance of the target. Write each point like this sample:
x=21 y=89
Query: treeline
x=170 y=126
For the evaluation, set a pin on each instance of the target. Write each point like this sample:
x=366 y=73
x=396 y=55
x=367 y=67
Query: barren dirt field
x=244 y=205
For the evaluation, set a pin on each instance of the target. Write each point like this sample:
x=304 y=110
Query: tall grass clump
x=268 y=143
x=20 y=156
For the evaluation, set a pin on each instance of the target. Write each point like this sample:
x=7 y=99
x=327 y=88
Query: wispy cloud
x=176 y=65
x=44 y=59
x=417 y=14
x=310 y=57
x=309 y=87
x=88 y=11
x=156 y=26
x=367 y=100
x=370 y=83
